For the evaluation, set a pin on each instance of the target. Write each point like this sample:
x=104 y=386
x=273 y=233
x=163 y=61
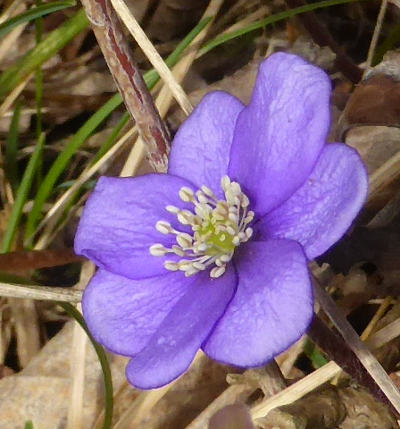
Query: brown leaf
x=16 y=262
x=376 y=99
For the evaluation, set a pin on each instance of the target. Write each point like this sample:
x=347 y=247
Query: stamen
x=158 y=250
x=186 y=194
x=217 y=272
x=171 y=266
x=163 y=227
x=172 y=209
x=218 y=227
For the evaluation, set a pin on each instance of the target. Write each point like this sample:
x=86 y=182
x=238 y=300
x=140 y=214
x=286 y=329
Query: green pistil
x=217 y=242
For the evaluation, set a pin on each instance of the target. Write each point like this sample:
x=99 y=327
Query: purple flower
x=213 y=255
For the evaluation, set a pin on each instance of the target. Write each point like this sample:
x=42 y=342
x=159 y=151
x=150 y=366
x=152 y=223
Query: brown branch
x=132 y=87
x=322 y=37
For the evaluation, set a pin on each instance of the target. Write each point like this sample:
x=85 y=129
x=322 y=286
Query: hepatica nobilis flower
x=213 y=255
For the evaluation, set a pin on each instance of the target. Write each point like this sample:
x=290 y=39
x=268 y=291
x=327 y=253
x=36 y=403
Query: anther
x=164 y=227
x=158 y=250
x=225 y=182
x=236 y=240
x=172 y=209
x=249 y=232
x=199 y=266
x=171 y=266
x=184 y=240
x=217 y=272
x=208 y=192
x=186 y=194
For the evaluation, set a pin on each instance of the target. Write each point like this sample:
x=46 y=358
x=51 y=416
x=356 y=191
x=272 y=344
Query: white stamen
x=158 y=250
x=186 y=194
x=208 y=192
x=163 y=227
x=171 y=266
x=218 y=226
x=172 y=209
x=225 y=182
x=249 y=232
x=184 y=240
x=178 y=250
x=217 y=272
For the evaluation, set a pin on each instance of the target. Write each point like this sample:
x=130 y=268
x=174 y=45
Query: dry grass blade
x=154 y=57
x=40 y=292
x=164 y=98
x=384 y=175
x=296 y=390
x=8 y=42
x=356 y=345
x=9 y=100
x=12 y=9
x=384 y=335
x=78 y=357
x=79 y=341
x=248 y=19
x=375 y=36
x=377 y=316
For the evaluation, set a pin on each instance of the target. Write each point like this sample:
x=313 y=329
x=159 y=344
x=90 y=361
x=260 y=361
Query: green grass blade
x=11 y=165
x=48 y=47
x=29 y=425
x=22 y=196
x=32 y=14
x=112 y=138
x=87 y=130
x=105 y=367
x=62 y=160
x=316 y=357
x=219 y=40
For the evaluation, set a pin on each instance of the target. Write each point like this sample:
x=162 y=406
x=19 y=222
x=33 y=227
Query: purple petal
x=172 y=349
x=200 y=150
x=123 y=314
x=271 y=309
x=279 y=136
x=321 y=211
x=117 y=227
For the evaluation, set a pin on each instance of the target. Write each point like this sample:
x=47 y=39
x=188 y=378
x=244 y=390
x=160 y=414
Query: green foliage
x=32 y=14
x=43 y=51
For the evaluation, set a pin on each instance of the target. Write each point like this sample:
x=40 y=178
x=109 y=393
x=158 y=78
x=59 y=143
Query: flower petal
x=278 y=137
x=321 y=211
x=123 y=314
x=200 y=150
x=172 y=349
x=271 y=309
x=117 y=227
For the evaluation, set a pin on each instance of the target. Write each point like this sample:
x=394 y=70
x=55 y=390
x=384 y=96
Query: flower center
x=218 y=227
